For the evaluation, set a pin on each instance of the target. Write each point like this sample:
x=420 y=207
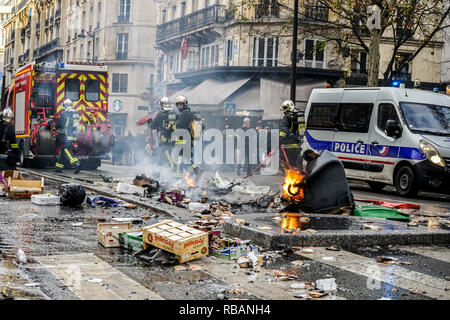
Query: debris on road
x=45 y=200
x=195 y=267
x=316 y=294
x=179 y=268
x=372 y=227
x=232 y=249
x=325 y=285
x=387 y=260
x=21 y=257
x=197 y=206
x=298 y=285
x=130 y=189
x=333 y=248
x=243 y=262
x=108 y=203
x=24 y=189
x=108 y=233
x=72 y=194
x=131 y=240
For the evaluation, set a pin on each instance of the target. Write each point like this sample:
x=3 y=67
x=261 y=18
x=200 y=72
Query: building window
x=191 y=57
x=229 y=52
x=122 y=46
x=265 y=52
x=174 y=12
x=209 y=56
x=164 y=16
x=194 y=5
x=120 y=82
x=314 y=53
x=92 y=90
x=73 y=89
x=124 y=11
x=183 y=9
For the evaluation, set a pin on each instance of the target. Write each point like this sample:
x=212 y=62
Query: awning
x=211 y=92
x=273 y=93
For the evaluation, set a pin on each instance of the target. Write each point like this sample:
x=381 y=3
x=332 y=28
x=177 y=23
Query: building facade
x=248 y=49
x=5 y=12
x=445 y=64
x=117 y=33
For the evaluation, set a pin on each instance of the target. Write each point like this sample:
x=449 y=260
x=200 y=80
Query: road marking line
x=438 y=253
x=392 y=274
x=76 y=269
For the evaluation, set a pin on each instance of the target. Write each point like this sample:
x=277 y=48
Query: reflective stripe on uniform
x=14 y=146
x=290 y=146
x=283 y=134
x=60 y=166
x=72 y=138
x=71 y=159
x=170 y=159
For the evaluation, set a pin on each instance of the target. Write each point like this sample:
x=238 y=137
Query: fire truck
x=36 y=97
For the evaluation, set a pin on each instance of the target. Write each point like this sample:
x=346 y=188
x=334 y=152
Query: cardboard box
x=185 y=242
x=45 y=200
x=108 y=233
x=131 y=240
x=233 y=253
x=24 y=188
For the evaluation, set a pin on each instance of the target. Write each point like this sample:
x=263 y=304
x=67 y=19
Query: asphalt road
x=60 y=242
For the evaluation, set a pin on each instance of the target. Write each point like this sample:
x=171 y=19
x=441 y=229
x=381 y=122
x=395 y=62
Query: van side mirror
x=393 y=129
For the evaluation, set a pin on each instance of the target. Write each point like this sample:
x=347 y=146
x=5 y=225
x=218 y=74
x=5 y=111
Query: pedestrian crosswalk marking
x=392 y=274
x=438 y=253
x=91 y=278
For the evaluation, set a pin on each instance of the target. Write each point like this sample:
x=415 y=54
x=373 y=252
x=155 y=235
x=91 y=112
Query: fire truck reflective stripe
x=101 y=116
x=61 y=87
x=74 y=75
x=102 y=78
x=60 y=98
x=58 y=165
x=92 y=77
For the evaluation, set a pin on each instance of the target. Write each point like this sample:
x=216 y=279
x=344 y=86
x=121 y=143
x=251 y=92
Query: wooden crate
x=24 y=188
x=185 y=242
x=108 y=233
x=15 y=175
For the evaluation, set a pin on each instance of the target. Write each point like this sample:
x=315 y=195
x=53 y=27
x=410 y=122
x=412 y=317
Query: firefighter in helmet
x=290 y=138
x=164 y=124
x=185 y=121
x=67 y=127
x=8 y=136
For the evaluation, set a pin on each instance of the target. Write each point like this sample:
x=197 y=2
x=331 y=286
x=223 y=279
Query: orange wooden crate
x=185 y=242
x=24 y=188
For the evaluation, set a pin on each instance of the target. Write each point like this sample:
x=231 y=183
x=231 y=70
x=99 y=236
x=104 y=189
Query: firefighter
x=8 y=136
x=290 y=138
x=185 y=121
x=164 y=123
x=67 y=127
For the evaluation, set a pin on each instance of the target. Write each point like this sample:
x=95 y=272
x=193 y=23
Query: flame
x=292 y=221
x=189 y=180
x=292 y=185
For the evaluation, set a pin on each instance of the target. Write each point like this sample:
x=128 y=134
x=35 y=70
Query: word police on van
x=384 y=136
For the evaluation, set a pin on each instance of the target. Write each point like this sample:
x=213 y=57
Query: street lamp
x=91 y=34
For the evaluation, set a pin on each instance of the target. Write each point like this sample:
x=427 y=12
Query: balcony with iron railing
x=316 y=13
x=215 y=14
x=50 y=46
x=122 y=55
x=267 y=10
x=123 y=19
x=22 y=5
x=58 y=13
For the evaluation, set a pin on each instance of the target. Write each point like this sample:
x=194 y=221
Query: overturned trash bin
x=72 y=194
x=326 y=186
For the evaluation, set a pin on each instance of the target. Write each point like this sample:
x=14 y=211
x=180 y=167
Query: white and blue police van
x=385 y=136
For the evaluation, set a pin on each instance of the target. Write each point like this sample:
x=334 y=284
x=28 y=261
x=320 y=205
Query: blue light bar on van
x=61 y=65
x=396 y=84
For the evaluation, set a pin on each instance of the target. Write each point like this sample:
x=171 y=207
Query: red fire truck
x=36 y=97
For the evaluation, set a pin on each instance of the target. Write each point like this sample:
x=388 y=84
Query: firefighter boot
x=77 y=168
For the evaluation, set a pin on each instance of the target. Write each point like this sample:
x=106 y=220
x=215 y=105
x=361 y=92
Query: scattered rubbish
x=218 y=182
x=132 y=220
x=395 y=290
x=184 y=241
x=326 y=284
x=253 y=259
x=72 y=194
x=197 y=206
x=408 y=263
x=24 y=189
x=298 y=285
x=76 y=224
x=151 y=186
x=445 y=224
x=241 y=222
x=32 y=285
x=333 y=248
x=297 y=263
x=251 y=190
x=220 y=296
x=243 y=262
x=372 y=227
x=21 y=256
x=95 y=280
x=130 y=189
x=302 y=295
x=236 y=291
x=415 y=291
x=387 y=260
x=315 y=294
x=156 y=255
x=179 y=268
x=195 y=268
x=307 y=250
x=172 y=197
x=264 y=228
x=413 y=224
x=328 y=258
x=131 y=240
x=310 y=231
x=108 y=203
x=379 y=212
x=45 y=200
x=231 y=249
x=391 y=204
x=108 y=233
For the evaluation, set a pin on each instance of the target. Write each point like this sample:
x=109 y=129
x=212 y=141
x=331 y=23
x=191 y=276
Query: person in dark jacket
x=67 y=127
x=244 y=154
x=289 y=135
x=8 y=136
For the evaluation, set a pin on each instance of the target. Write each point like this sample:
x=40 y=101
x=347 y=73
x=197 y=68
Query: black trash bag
x=327 y=188
x=72 y=194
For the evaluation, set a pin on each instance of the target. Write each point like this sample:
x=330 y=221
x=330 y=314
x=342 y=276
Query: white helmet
x=67 y=104
x=287 y=106
x=165 y=104
x=7 y=115
x=181 y=99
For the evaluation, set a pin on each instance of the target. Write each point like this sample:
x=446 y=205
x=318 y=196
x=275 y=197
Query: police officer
x=164 y=123
x=185 y=119
x=8 y=136
x=290 y=138
x=67 y=127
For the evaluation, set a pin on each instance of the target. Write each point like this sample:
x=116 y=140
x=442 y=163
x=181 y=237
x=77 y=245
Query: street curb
x=344 y=238
x=104 y=192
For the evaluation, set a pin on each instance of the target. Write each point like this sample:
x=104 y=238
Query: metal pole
x=294 y=52
x=93 y=47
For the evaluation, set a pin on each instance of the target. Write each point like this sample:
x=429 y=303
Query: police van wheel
x=376 y=186
x=405 y=182
x=23 y=161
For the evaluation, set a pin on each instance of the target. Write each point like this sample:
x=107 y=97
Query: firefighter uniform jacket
x=185 y=122
x=289 y=135
x=8 y=135
x=67 y=126
x=162 y=121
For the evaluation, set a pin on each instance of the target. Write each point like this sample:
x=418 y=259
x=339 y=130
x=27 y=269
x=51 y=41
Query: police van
x=385 y=136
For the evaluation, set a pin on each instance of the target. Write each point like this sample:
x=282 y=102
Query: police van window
x=355 y=117
x=73 y=89
x=92 y=90
x=322 y=116
x=386 y=111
